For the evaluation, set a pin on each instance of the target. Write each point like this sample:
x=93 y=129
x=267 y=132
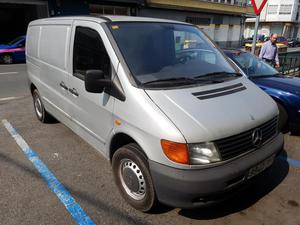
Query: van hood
x=215 y=111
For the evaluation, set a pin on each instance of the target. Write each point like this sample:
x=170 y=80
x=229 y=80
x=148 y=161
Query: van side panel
x=58 y=36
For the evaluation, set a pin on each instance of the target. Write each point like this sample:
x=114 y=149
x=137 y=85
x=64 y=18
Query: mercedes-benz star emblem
x=257 y=137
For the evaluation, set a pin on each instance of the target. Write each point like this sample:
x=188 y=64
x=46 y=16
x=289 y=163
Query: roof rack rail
x=102 y=17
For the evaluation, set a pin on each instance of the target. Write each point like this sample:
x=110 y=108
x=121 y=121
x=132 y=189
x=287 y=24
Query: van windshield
x=165 y=54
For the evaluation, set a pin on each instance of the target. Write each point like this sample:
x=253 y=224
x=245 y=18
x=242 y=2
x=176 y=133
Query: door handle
x=62 y=84
x=73 y=91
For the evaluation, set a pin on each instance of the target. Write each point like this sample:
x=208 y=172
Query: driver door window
x=89 y=53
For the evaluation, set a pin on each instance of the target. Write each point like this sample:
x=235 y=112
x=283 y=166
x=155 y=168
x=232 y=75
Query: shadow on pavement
x=256 y=189
x=295 y=133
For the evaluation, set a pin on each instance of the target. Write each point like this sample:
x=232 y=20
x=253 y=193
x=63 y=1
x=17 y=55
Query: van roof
x=101 y=19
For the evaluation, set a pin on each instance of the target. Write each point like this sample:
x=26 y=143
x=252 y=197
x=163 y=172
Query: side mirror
x=95 y=81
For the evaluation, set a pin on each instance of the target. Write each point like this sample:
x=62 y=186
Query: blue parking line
x=53 y=183
x=290 y=161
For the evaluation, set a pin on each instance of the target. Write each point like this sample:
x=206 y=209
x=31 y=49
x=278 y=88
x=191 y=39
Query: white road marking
x=8 y=73
x=10 y=98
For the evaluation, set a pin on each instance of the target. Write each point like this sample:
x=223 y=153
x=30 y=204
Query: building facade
x=222 y=20
x=278 y=16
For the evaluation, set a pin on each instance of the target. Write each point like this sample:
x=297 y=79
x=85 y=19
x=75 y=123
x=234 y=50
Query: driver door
x=91 y=112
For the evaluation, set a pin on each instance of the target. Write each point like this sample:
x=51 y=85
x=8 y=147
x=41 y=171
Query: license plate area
x=260 y=167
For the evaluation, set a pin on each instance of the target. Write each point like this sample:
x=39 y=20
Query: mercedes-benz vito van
x=157 y=98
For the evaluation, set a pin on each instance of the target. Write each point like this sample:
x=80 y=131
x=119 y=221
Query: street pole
x=255 y=34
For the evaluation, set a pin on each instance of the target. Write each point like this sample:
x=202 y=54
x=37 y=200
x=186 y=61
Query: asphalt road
x=272 y=198
x=13 y=81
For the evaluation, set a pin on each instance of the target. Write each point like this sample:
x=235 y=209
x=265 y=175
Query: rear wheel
x=39 y=108
x=283 y=119
x=133 y=178
x=7 y=59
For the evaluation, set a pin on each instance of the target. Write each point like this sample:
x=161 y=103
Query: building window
x=272 y=9
x=285 y=9
x=109 y=10
x=198 y=20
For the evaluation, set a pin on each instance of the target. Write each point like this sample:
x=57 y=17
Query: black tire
x=39 y=108
x=283 y=119
x=132 y=176
x=7 y=59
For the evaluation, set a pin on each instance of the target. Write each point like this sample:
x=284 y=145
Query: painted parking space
x=24 y=196
x=53 y=183
x=292 y=162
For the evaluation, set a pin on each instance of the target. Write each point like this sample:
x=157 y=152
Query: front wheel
x=133 y=178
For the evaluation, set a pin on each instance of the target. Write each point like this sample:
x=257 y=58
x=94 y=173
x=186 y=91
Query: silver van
x=178 y=122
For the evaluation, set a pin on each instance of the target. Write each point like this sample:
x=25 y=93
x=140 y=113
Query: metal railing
x=290 y=63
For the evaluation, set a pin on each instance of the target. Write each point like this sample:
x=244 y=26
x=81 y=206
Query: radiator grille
x=241 y=143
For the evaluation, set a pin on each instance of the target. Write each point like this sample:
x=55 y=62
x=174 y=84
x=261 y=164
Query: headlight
x=203 y=153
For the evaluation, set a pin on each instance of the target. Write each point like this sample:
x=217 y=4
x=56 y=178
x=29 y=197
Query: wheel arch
x=119 y=140
x=32 y=88
x=281 y=102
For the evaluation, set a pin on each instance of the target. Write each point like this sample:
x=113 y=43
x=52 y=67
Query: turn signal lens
x=177 y=152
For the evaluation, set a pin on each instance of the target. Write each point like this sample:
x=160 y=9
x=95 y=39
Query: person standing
x=269 y=51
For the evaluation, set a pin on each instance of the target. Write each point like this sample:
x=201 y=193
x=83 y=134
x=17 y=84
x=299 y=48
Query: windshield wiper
x=173 y=79
x=218 y=74
x=266 y=75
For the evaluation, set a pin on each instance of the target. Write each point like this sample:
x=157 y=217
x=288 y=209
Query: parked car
x=293 y=42
x=285 y=90
x=178 y=126
x=280 y=40
x=247 y=41
x=259 y=38
x=14 y=51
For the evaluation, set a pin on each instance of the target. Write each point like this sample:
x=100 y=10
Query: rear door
x=92 y=112
x=52 y=52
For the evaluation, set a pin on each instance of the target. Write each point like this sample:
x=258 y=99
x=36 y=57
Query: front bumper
x=189 y=188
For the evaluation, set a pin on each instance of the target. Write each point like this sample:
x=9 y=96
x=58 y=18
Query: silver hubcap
x=132 y=179
x=38 y=107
